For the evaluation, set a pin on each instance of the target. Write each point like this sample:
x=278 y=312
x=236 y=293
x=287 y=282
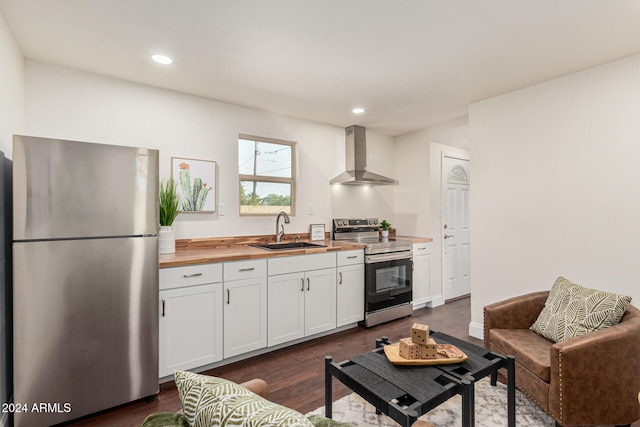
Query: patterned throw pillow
x=572 y=310
x=210 y=401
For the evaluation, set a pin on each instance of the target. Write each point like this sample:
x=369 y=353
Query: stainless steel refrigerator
x=85 y=285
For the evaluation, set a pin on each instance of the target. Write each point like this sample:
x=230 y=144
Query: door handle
x=228 y=296
x=162 y=308
x=447 y=236
x=340 y=282
x=302 y=287
x=308 y=284
x=247 y=269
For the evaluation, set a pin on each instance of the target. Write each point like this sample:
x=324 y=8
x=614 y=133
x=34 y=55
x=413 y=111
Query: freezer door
x=85 y=326
x=68 y=189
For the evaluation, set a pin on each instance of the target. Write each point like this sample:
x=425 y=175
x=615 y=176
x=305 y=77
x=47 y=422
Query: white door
x=245 y=316
x=190 y=327
x=285 y=313
x=456 y=275
x=320 y=301
x=350 y=300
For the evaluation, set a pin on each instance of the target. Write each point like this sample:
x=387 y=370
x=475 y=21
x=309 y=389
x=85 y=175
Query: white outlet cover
x=220 y=208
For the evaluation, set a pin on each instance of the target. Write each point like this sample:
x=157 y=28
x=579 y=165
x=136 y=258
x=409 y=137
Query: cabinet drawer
x=351 y=257
x=245 y=269
x=423 y=248
x=292 y=264
x=178 y=277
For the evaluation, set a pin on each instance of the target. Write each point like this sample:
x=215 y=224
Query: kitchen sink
x=287 y=246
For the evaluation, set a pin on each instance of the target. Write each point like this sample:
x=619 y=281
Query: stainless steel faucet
x=280 y=227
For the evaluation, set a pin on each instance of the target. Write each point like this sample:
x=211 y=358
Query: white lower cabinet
x=320 y=301
x=350 y=289
x=190 y=327
x=211 y=312
x=421 y=274
x=285 y=308
x=301 y=303
x=245 y=307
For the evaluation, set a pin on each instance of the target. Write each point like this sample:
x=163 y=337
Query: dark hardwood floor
x=296 y=374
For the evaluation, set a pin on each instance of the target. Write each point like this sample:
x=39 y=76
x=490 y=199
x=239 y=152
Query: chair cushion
x=572 y=310
x=165 y=419
x=530 y=349
x=210 y=401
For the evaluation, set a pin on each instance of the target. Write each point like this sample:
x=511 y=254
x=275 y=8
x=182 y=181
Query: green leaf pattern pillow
x=572 y=310
x=210 y=401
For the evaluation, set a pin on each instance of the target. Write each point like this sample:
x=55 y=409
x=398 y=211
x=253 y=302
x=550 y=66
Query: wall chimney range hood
x=356 y=161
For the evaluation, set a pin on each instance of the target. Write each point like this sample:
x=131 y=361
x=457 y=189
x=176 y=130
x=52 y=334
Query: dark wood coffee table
x=404 y=393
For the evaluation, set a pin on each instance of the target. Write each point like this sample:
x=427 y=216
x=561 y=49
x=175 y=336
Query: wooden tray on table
x=457 y=356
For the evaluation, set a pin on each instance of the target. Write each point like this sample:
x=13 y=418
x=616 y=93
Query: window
x=267 y=169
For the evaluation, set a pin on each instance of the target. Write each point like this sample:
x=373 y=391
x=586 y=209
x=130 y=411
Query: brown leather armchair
x=587 y=380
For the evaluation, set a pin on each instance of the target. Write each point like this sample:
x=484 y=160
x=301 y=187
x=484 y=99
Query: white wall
x=76 y=105
x=12 y=109
x=12 y=120
x=555 y=181
x=418 y=197
x=413 y=169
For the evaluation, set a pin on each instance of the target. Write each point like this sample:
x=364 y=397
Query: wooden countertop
x=415 y=239
x=186 y=256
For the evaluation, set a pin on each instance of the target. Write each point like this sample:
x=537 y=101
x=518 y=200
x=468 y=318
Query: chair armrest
x=258 y=386
x=605 y=360
x=514 y=313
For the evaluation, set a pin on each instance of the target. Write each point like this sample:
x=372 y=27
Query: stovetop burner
x=365 y=230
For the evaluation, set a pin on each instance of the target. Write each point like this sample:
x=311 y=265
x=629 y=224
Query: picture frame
x=201 y=174
x=316 y=232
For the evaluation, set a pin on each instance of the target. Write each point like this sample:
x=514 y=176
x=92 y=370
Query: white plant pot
x=384 y=233
x=166 y=240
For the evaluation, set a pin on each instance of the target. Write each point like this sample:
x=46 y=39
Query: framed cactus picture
x=196 y=184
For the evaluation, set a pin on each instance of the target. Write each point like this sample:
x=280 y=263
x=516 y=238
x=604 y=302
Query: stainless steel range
x=388 y=269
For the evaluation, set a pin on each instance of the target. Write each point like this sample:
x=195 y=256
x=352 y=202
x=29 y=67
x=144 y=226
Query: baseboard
x=436 y=301
x=476 y=330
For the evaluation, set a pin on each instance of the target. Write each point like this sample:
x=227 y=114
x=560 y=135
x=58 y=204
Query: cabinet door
x=320 y=301
x=421 y=279
x=190 y=327
x=286 y=308
x=350 y=300
x=245 y=316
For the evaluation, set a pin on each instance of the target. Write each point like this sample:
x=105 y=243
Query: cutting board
x=393 y=354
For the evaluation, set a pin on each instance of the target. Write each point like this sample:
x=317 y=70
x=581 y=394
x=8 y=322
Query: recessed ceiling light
x=358 y=110
x=161 y=59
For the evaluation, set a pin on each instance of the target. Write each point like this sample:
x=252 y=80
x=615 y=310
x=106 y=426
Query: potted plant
x=385 y=227
x=169 y=210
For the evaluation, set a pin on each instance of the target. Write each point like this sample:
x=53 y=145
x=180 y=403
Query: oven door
x=388 y=280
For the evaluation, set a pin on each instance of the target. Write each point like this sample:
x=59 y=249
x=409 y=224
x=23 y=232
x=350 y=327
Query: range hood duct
x=356 y=161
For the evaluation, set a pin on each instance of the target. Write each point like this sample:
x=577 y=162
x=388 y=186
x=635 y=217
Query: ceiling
x=410 y=63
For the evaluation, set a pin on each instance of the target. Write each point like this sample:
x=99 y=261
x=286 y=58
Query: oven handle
x=370 y=259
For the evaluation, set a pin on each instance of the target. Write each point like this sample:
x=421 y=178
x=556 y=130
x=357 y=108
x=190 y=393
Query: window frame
x=270 y=179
